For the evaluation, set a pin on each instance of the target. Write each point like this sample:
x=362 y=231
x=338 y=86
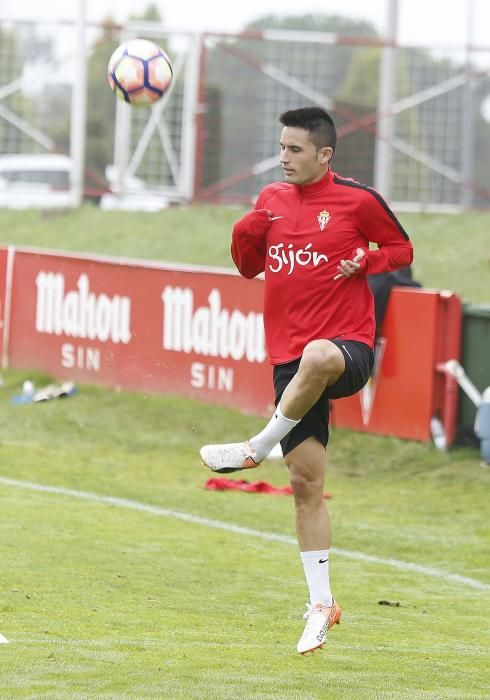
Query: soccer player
x=311 y=235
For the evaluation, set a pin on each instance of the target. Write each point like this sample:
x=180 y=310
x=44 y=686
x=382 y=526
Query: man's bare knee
x=306 y=487
x=321 y=358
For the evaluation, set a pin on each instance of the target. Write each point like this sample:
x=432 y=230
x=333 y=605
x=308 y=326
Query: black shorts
x=359 y=360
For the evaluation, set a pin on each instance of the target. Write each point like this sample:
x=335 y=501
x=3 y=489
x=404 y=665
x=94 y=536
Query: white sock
x=277 y=428
x=315 y=565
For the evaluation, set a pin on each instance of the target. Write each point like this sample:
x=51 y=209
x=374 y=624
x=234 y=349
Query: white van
x=35 y=181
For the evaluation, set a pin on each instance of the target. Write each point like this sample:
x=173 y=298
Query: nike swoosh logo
x=274 y=218
x=322 y=561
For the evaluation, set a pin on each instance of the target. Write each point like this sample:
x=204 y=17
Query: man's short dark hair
x=315 y=120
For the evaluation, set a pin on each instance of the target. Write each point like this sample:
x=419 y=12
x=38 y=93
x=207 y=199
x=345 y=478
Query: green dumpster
x=475 y=359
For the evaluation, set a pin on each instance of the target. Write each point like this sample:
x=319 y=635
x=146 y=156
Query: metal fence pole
x=191 y=118
x=467 y=117
x=383 y=159
x=79 y=110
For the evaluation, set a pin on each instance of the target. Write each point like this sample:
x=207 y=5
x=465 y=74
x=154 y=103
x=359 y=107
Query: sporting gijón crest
x=323 y=218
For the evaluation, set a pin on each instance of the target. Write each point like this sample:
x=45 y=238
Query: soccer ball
x=140 y=72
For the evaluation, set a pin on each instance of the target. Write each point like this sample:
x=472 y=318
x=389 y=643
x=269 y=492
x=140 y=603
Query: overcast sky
x=442 y=22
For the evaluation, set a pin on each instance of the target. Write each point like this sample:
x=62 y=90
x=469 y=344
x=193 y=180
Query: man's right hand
x=256 y=222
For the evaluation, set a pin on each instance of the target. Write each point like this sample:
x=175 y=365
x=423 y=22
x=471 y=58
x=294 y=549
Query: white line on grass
x=3 y=640
x=230 y=527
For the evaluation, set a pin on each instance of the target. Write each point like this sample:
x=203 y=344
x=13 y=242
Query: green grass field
x=111 y=599
x=122 y=577
x=451 y=251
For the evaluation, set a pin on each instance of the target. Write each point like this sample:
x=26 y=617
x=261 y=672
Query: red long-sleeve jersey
x=314 y=227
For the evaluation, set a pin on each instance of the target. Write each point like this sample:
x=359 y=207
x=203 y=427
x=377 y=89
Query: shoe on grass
x=319 y=619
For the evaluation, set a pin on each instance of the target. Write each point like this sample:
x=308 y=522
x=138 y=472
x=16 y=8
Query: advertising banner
x=199 y=332
x=421 y=330
x=133 y=325
x=3 y=297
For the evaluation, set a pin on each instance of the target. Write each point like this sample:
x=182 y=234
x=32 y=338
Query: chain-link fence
x=436 y=112
x=214 y=136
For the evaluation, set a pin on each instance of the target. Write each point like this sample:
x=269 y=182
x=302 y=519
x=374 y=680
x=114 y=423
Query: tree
x=101 y=104
x=150 y=14
x=13 y=139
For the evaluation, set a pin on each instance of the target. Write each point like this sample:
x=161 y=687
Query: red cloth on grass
x=223 y=484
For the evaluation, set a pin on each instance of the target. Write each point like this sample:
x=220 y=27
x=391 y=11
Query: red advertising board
x=3 y=294
x=199 y=332
x=421 y=329
x=135 y=325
